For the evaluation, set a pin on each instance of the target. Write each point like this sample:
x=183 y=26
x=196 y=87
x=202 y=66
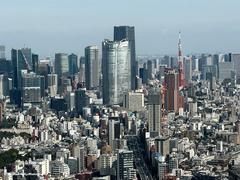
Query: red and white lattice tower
x=180 y=63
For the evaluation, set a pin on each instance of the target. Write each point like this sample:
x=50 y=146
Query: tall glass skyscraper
x=91 y=67
x=116 y=70
x=61 y=64
x=128 y=33
x=19 y=62
x=72 y=62
x=27 y=52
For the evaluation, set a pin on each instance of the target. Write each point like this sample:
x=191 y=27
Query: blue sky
x=49 y=26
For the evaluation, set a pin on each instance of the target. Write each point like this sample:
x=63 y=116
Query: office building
x=128 y=33
x=138 y=82
x=35 y=63
x=204 y=60
x=91 y=67
x=6 y=67
x=162 y=145
x=4 y=86
x=80 y=100
x=82 y=71
x=70 y=100
x=195 y=64
x=73 y=64
x=31 y=88
x=143 y=73
x=27 y=52
x=114 y=131
x=211 y=78
x=236 y=61
x=172 y=95
x=150 y=69
x=187 y=69
x=213 y=69
x=19 y=62
x=61 y=64
x=2 y=52
x=133 y=101
x=124 y=163
x=154 y=111
x=52 y=84
x=66 y=85
x=116 y=71
x=225 y=70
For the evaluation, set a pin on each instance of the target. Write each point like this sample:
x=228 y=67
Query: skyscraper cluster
x=109 y=114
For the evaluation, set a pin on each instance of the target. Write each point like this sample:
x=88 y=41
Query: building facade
x=91 y=67
x=116 y=71
x=128 y=33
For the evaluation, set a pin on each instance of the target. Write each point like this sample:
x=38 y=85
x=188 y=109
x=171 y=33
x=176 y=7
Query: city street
x=138 y=152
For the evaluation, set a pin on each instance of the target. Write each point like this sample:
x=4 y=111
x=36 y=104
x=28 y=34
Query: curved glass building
x=116 y=70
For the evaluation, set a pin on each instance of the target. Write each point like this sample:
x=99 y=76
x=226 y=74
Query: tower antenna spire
x=179 y=44
x=180 y=63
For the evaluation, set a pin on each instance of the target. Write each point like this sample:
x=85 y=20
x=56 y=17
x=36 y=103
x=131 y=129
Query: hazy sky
x=49 y=26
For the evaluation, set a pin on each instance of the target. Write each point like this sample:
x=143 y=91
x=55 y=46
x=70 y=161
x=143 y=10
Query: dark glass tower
x=19 y=63
x=72 y=62
x=35 y=63
x=128 y=33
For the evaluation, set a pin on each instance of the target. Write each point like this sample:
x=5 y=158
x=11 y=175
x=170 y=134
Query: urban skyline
x=107 y=113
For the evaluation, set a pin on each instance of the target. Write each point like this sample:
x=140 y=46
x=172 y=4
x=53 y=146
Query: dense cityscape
x=111 y=114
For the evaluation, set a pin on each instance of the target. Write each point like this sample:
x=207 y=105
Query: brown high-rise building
x=172 y=95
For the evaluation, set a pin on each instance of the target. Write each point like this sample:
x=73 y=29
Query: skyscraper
x=4 y=86
x=27 y=52
x=72 y=63
x=133 y=101
x=61 y=64
x=236 y=61
x=154 y=111
x=35 y=63
x=19 y=63
x=2 y=52
x=52 y=84
x=225 y=70
x=150 y=69
x=80 y=100
x=188 y=69
x=31 y=88
x=116 y=70
x=172 y=95
x=91 y=67
x=128 y=33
